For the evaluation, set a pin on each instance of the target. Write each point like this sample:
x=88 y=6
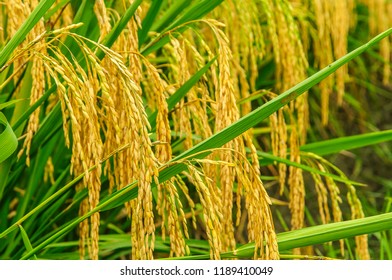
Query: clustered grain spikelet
x=79 y=104
x=291 y=66
x=328 y=190
x=247 y=45
x=129 y=124
x=169 y=206
x=333 y=19
x=227 y=112
x=379 y=21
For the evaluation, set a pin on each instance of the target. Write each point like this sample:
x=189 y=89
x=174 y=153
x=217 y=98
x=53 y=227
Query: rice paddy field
x=195 y=129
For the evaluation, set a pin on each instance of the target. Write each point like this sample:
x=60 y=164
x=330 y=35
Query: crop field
x=195 y=129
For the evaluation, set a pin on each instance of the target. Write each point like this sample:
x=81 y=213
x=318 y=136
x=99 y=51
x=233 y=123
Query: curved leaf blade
x=9 y=103
x=8 y=140
x=333 y=146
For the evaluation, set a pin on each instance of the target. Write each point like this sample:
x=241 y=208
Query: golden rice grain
x=296 y=183
x=322 y=194
x=361 y=241
x=211 y=211
x=103 y=19
x=379 y=21
x=49 y=171
x=333 y=19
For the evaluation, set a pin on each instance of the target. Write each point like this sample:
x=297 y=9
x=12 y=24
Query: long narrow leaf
x=68 y=227
x=313 y=235
x=43 y=204
x=196 y=11
x=9 y=103
x=26 y=241
x=8 y=141
x=148 y=20
x=347 y=143
x=307 y=168
x=325 y=233
x=173 y=11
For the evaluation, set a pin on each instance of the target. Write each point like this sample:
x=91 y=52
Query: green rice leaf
x=43 y=204
x=26 y=241
x=8 y=140
x=313 y=235
x=172 y=12
x=196 y=11
x=333 y=146
x=118 y=197
x=33 y=107
x=308 y=168
x=148 y=20
x=9 y=103
x=325 y=233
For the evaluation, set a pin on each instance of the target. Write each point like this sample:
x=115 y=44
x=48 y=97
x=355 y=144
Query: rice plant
x=201 y=129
